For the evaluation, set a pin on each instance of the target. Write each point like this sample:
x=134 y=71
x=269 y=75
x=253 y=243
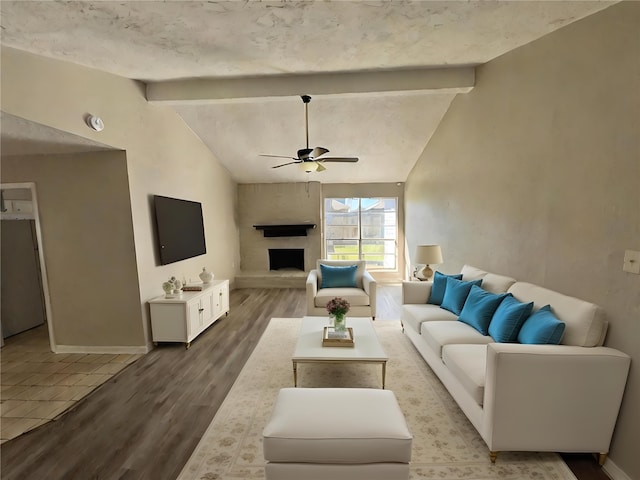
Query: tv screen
x=180 y=229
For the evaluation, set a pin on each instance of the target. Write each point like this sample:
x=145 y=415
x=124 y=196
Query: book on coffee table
x=333 y=338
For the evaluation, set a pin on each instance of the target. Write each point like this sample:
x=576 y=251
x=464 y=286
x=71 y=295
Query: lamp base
x=426 y=273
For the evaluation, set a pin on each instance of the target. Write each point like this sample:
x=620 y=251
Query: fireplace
x=286 y=258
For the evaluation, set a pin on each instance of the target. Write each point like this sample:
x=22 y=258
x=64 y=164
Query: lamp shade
x=309 y=166
x=428 y=255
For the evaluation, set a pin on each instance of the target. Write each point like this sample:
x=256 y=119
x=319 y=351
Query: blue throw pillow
x=456 y=294
x=508 y=319
x=542 y=328
x=439 y=286
x=338 y=276
x=479 y=308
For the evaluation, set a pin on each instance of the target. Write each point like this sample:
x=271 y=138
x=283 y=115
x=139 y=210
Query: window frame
x=360 y=240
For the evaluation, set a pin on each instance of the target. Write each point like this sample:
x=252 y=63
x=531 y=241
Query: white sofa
x=362 y=298
x=521 y=397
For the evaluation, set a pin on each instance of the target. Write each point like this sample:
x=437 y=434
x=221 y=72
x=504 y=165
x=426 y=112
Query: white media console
x=183 y=318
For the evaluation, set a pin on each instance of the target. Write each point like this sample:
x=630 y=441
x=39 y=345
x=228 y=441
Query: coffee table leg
x=384 y=373
x=295 y=373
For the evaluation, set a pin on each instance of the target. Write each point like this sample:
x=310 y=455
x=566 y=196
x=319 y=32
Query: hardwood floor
x=145 y=422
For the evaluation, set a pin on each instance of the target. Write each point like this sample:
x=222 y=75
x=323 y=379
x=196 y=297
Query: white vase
x=168 y=289
x=205 y=276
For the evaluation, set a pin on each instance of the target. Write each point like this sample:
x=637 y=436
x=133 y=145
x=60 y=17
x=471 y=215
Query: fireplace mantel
x=285 y=230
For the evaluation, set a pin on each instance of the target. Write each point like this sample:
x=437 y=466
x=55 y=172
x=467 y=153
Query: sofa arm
x=312 y=289
x=552 y=397
x=416 y=292
x=370 y=286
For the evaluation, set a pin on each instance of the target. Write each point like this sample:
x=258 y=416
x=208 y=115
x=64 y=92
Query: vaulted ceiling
x=382 y=74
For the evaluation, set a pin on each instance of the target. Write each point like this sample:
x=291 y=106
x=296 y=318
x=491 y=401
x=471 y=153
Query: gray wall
x=87 y=237
x=536 y=174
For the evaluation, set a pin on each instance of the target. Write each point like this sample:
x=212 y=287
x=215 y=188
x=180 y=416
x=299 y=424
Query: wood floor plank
x=145 y=422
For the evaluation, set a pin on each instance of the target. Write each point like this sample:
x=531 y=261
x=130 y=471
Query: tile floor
x=36 y=385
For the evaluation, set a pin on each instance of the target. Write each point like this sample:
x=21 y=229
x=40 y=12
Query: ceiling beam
x=225 y=90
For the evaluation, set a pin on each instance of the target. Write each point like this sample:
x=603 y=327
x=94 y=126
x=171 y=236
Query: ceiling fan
x=310 y=159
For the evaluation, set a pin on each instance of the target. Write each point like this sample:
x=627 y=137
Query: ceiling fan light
x=309 y=167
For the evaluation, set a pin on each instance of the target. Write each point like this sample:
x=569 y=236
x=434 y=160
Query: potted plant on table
x=338 y=308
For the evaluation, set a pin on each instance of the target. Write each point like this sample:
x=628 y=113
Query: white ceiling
x=298 y=42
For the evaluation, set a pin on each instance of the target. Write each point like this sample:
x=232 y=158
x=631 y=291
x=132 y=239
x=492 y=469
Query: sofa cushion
x=338 y=277
x=438 y=334
x=585 y=324
x=542 y=328
x=414 y=315
x=439 y=286
x=508 y=319
x=354 y=296
x=472 y=273
x=480 y=307
x=490 y=281
x=468 y=363
x=456 y=294
x=361 y=264
x=497 y=283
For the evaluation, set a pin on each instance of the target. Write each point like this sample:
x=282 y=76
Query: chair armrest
x=416 y=292
x=552 y=397
x=370 y=286
x=368 y=283
x=312 y=289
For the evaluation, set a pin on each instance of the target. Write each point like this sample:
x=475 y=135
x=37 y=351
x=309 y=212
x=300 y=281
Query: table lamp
x=428 y=255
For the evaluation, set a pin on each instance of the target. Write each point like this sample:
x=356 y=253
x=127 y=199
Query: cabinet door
x=195 y=318
x=223 y=298
x=215 y=304
x=208 y=306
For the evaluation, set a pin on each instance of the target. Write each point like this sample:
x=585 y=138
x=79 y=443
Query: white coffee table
x=366 y=349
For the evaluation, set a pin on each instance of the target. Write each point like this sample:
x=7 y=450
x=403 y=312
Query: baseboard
x=614 y=471
x=132 y=350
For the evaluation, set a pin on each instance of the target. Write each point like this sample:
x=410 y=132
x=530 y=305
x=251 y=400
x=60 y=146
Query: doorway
x=25 y=292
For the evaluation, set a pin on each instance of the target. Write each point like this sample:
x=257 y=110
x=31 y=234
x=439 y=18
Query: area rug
x=445 y=444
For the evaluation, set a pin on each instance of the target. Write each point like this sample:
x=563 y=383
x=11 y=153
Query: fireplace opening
x=286 y=258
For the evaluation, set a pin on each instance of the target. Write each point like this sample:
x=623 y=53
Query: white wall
x=536 y=174
x=163 y=156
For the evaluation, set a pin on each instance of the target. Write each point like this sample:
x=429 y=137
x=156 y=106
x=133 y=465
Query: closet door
x=22 y=298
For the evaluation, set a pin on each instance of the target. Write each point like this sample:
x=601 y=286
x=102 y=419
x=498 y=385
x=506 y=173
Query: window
x=362 y=229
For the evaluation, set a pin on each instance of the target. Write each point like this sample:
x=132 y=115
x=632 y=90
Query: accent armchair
x=348 y=279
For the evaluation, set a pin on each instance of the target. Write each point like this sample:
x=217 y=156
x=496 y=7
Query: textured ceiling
x=158 y=41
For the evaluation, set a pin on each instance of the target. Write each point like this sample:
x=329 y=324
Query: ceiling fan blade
x=320 y=168
x=304 y=153
x=339 y=159
x=316 y=152
x=288 y=163
x=277 y=156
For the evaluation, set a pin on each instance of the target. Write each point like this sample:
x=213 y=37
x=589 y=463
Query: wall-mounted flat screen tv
x=180 y=229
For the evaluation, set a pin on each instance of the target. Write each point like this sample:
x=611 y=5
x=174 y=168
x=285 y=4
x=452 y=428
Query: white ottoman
x=336 y=433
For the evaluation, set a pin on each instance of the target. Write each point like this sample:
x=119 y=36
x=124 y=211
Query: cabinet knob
x=201 y=310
